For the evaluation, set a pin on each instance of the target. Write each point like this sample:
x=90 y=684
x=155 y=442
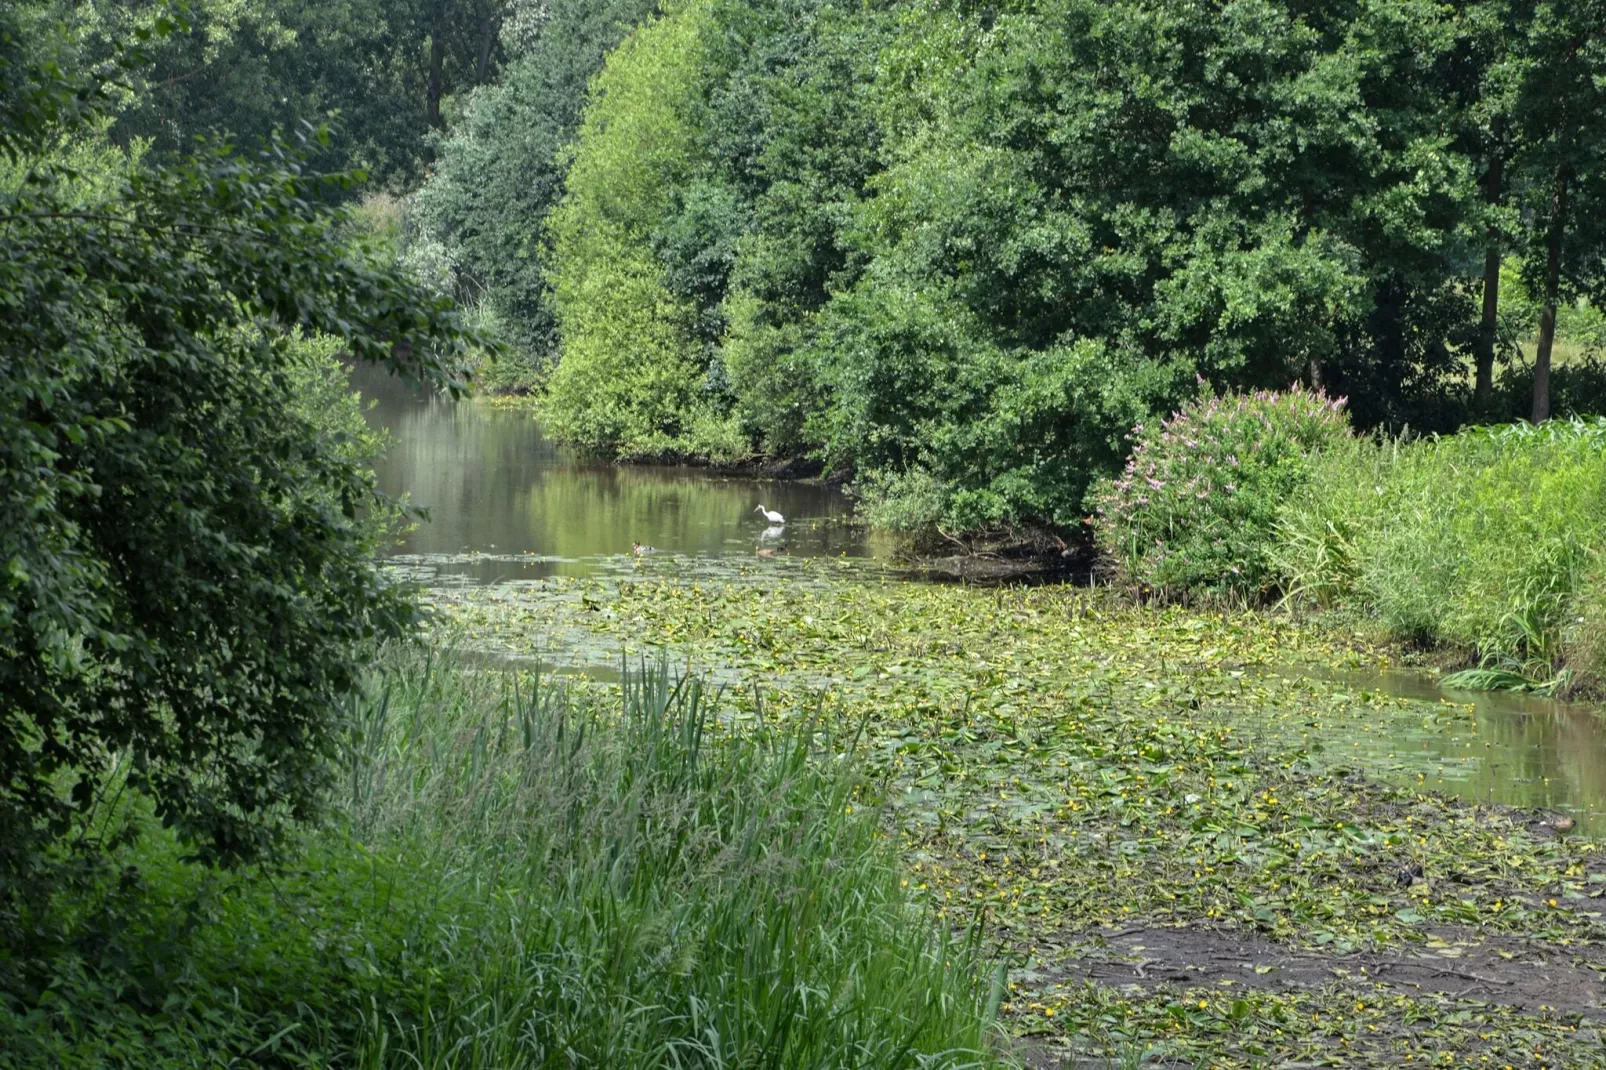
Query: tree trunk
x=487 y=46
x=1489 y=328
x=1483 y=391
x=437 y=58
x=1547 y=311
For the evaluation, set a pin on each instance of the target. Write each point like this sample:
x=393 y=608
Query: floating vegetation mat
x=1155 y=816
x=765 y=566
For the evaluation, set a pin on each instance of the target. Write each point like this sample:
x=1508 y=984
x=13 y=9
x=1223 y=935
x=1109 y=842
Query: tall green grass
x=525 y=875
x=1486 y=541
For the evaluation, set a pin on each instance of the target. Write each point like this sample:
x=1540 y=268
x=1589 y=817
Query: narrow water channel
x=1486 y=746
x=506 y=505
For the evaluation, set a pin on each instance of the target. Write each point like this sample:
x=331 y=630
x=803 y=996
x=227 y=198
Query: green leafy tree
x=956 y=251
x=378 y=72
x=1557 y=75
x=187 y=577
x=718 y=198
x=1258 y=194
x=632 y=379
x=805 y=83
x=500 y=171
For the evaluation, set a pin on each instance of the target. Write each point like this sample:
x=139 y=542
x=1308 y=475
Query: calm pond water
x=507 y=505
x=1497 y=747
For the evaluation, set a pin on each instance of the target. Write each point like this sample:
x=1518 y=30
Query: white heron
x=771 y=515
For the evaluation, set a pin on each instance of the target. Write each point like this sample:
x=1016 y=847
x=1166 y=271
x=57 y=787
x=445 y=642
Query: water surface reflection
x=1510 y=748
x=506 y=503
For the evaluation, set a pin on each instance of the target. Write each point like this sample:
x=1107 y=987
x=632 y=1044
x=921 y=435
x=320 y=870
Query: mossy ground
x=1089 y=777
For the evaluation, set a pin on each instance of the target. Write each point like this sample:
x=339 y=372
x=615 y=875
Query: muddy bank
x=1031 y=556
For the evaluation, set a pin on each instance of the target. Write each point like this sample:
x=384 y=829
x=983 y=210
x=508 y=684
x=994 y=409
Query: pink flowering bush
x=1196 y=507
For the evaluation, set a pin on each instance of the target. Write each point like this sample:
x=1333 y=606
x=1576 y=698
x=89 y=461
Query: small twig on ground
x=1471 y=977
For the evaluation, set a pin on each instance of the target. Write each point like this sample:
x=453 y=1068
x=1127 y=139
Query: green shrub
x=1484 y=540
x=189 y=580
x=1196 y=507
x=913 y=502
x=945 y=429
x=525 y=876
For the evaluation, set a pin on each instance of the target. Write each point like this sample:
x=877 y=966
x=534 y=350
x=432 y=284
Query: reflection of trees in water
x=1519 y=742
x=1580 y=753
x=491 y=481
x=1526 y=746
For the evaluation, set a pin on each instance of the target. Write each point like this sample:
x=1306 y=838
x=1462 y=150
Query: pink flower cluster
x=1195 y=487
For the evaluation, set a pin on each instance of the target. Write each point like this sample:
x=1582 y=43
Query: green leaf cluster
x=187 y=519
x=630 y=381
x=378 y=72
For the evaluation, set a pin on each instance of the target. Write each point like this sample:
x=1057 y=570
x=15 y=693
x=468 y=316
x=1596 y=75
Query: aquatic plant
x=1074 y=768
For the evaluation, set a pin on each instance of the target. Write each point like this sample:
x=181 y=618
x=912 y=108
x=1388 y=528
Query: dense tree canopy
x=958 y=249
x=952 y=250
x=501 y=170
x=381 y=73
x=187 y=577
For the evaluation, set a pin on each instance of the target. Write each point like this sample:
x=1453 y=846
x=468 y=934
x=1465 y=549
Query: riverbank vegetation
x=975 y=258
x=1195 y=839
x=518 y=873
x=1486 y=544
x=1489 y=542
x=956 y=252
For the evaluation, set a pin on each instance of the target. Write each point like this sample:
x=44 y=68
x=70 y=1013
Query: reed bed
x=524 y=873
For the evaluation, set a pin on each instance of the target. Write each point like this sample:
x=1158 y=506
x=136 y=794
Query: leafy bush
x=1196 y=507
x=922 y=402
x=1486 y=541
x=1577 y=388
x=527 y=876
x=189 y=581
x=915 y=502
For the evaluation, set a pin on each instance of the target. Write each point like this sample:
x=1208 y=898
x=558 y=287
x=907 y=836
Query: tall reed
x=646 y=888
x=525 y=874
x=1484 y=541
